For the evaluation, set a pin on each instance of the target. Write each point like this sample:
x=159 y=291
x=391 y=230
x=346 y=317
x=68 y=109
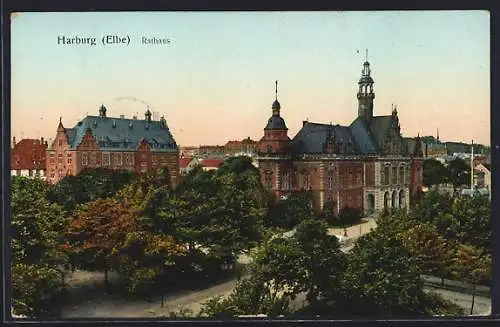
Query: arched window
x=330 y=179
x=387 y=172
x=402 y=175
x=394 y=176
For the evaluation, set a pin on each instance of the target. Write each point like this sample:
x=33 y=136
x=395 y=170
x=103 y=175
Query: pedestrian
x=345 y=231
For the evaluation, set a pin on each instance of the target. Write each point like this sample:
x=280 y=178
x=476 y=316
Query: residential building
x=482 y=176
x=186 y=164
x=28 y=158
x=367 y=165
x=114 y=143
x=211 y=163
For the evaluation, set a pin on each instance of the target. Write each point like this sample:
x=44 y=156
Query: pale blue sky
x=215 y=81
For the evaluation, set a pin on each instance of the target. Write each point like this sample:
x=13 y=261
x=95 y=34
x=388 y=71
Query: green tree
x=434 y=254
x=435 y=172
x=88 y=185
x=382 y=277
x=322 y=261
x=471 y=221
x=288 y=213
x=459 y=172
x=39 y=262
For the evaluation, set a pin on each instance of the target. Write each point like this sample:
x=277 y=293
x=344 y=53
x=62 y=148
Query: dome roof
x=276 y=105
x=276 y=122
x=365 y=80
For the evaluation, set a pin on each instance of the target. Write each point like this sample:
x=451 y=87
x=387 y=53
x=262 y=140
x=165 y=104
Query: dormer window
x=130 y=125
x=114 y=124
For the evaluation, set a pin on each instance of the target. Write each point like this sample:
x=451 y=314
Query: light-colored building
x=482 y=176
x=211 y=163
x=186 y=164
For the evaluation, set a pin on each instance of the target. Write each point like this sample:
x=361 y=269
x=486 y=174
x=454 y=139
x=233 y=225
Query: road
x=115 y=307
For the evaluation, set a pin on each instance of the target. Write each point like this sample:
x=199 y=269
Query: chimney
x=41 y=140
x=14 y=141
x=122 y=116
x=134 y=117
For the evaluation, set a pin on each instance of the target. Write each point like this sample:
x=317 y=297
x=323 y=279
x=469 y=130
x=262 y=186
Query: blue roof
x=364 y=140
x=121 y=134
x=312 y=136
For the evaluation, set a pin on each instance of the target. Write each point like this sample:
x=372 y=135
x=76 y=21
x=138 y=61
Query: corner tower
x=365 y=92
x=274 y=158
x=275 y=139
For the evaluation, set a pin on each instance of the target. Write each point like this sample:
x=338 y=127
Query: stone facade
x=367 y=165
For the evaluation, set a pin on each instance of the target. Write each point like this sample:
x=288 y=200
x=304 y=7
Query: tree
x=88 y=185
x=97 y=232
x=288 y=213
x=473 y=265
x=434 y=254
x=382 y=277
x=38 y=260
x=459 y=172
x=471 y=221
x=322 y=261
x=349 y=216
x=435 y=172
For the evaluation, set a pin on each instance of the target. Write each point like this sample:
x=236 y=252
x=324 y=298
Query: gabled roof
x=122 y=133
x=184 y=161
x=28 y=154
x=379 y=125
x=363 y=137
x=311 y=137
x=212 y=162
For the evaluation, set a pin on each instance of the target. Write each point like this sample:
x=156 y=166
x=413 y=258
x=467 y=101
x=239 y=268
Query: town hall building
x=140 y=145
x=367 y=165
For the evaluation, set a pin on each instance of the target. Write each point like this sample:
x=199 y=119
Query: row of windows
x=392 y=176
x=116 y=158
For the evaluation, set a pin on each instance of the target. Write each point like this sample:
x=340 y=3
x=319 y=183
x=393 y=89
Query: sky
x=215 y=80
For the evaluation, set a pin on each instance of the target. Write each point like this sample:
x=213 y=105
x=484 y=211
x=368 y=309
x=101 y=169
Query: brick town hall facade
x=367 y=165
x=113 y=143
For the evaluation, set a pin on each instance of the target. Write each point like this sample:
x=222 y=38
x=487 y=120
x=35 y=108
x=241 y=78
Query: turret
x=365 y=92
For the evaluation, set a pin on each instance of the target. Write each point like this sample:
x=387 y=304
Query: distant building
x=188 y=151
x=28 y=158
x=436 y=149
x=211 y=151
x=367 y=165
x=246 y=146
x=186 y=164
x=211 y=164
x=113 y=143
x=482 y=176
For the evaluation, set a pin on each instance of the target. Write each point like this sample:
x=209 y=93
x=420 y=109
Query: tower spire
x=437 y=134
x=366 y=55
x=276 y=90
